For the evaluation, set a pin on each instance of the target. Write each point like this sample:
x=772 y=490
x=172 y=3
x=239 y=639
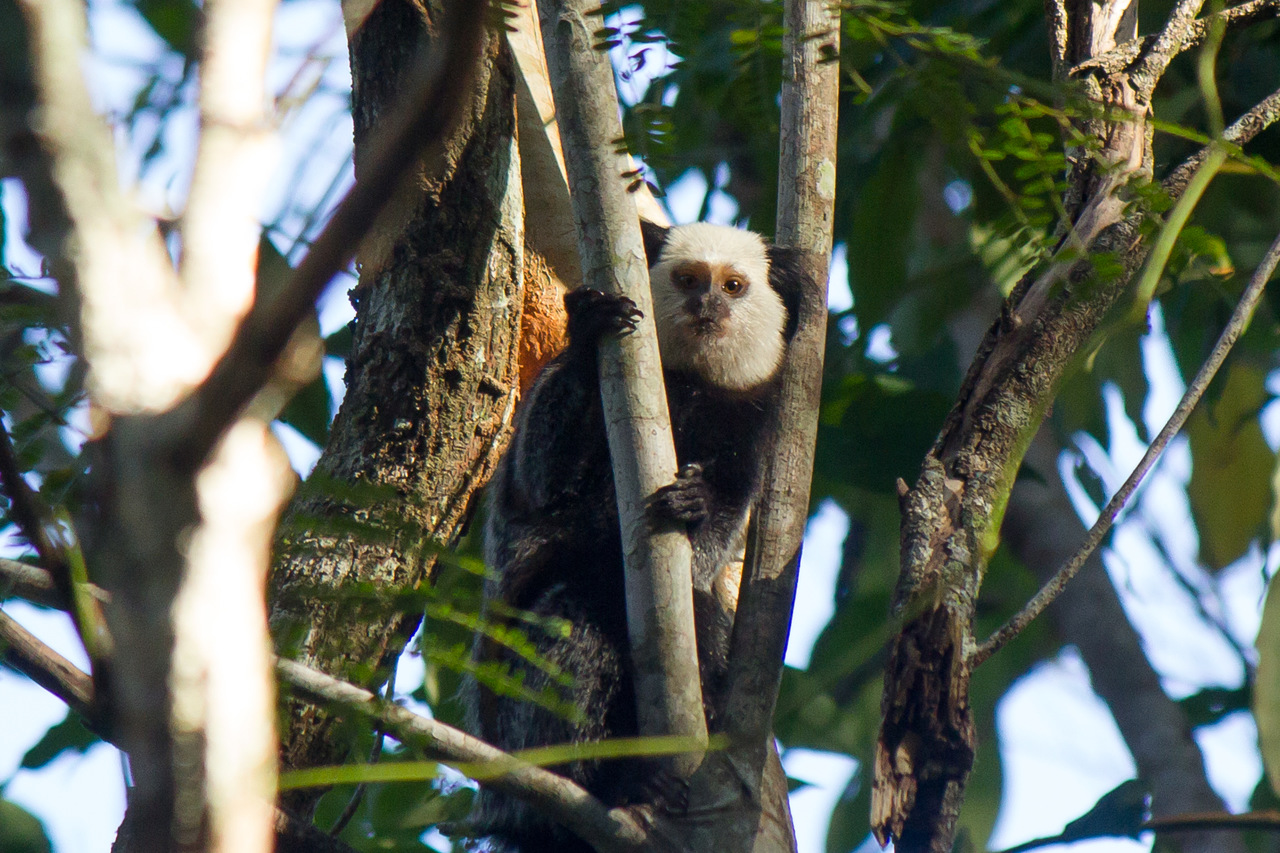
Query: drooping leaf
x=851 y=818
x=1119 y=813
x=1230 y=487
x=175 y=21
x=338 y=344
x=881 y=236
x=68 y=735
x=1117 y=359
x=1211 y=705
x=308 y=411
x=875 y=429
x=1266 y=688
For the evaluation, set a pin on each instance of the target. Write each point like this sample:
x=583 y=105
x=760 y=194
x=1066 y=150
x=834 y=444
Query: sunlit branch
x=658 y=579
x=436 y=93
x=139 y=353
x=220 y=229
x=611 y=830
x=806 y=198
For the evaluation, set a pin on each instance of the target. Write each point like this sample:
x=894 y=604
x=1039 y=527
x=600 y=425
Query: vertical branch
x=222 y=679
x=220 y=228
x=223 y=689
x=431 y=378
x=806 y=198
x=659 y=585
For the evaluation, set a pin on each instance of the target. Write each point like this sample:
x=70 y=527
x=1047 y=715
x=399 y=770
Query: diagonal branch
x=27 y=654
x=1168 y=43
x=37 y=585
x=610 y=830
x=1263 y=114
x=1235 y=326
x=436 y=94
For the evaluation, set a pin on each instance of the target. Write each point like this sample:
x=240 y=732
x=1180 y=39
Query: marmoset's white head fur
x=715 y=311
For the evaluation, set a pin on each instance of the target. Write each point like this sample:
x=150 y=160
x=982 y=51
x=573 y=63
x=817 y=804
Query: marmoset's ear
x=655 y=237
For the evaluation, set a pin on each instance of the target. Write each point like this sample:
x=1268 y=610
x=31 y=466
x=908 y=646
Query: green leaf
x=1266 y=688
x=851 y=818
x=885 y=412
x=21 y=831
x=308 y=411
x=881 y=237
x=175 y=21
x=1210 y=705
x=70 y=734
x=338 y=344
x=1231 y=467
x=1119 y=813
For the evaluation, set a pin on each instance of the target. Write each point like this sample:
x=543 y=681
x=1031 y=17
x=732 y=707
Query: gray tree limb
x=659 y=582
x=609 y=830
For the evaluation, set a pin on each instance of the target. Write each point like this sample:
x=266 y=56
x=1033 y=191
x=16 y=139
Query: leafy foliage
x=954 y=149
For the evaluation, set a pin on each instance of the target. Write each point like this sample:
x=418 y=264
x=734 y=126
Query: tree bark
x=431 y=381
x=952 y=517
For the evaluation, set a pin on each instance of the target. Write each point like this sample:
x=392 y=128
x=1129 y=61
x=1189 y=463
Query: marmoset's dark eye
x=685 y=281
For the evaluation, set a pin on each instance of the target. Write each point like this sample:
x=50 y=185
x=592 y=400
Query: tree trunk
x=431 y=382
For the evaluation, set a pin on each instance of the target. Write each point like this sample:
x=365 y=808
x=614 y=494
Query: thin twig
x=436 y=93
x=1263 y=114
x=23 y=651
x=27 y=511
x=36 y=585
x=1235 y=326
x=375 y=753
x=1268 y=819
x=555 y=796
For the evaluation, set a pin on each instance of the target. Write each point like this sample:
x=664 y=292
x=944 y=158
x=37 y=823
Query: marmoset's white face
x=716 y=314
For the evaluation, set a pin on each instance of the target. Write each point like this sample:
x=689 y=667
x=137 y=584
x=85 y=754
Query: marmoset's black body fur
x=552 y=542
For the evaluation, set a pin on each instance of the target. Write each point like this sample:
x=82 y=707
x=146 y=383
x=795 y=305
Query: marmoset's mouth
x=705 y=327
